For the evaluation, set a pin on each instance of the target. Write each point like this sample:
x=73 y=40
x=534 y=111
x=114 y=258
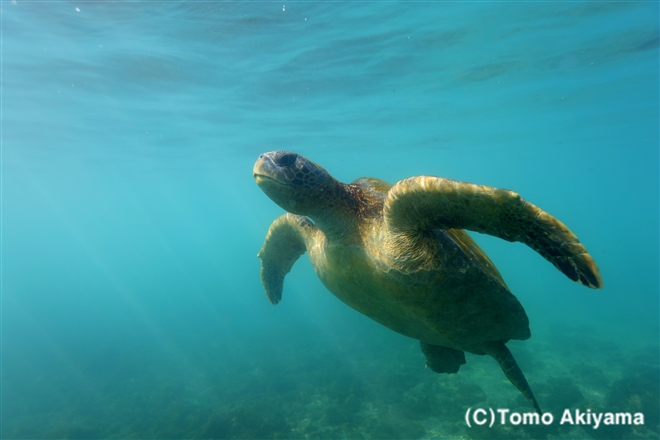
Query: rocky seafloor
x=311 y=390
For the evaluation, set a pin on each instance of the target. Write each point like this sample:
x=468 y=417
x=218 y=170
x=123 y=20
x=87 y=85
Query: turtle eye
x=286 y=160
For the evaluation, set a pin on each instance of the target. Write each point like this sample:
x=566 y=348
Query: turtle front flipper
x=503 y=356
x=417 y=205
x=284 y=244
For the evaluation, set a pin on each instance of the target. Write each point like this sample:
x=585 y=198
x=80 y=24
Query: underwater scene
x=148 y=146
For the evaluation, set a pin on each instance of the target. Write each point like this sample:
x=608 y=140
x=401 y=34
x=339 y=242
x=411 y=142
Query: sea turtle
x=399 y=254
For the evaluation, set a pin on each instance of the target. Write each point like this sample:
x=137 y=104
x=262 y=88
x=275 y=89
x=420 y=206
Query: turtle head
x=293 y=182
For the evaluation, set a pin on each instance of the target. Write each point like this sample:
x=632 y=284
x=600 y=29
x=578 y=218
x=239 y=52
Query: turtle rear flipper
x=284 y=244
x=420 y=204
x=442 y=359
x=503 y=356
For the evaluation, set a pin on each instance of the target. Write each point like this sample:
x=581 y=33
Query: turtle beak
x=259 y=167
x=268 y=169
x=264 y=169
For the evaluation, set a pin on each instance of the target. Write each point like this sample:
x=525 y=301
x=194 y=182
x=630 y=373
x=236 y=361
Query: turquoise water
x=131 y=300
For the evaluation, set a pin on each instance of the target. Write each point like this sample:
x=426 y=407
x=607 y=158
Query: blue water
x=131 y=300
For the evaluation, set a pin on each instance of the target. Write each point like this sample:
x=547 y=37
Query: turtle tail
x=503 y=356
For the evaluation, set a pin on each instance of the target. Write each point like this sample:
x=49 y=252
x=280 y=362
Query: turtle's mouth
x=262 y=177
x=265 y=171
